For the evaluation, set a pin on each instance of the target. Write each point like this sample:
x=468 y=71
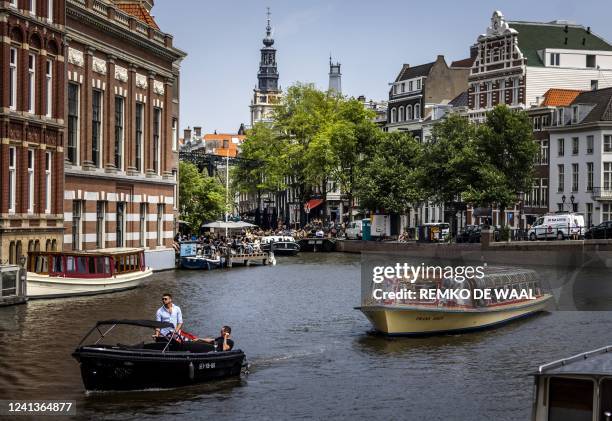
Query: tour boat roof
x=596 y=362
x=96 y=252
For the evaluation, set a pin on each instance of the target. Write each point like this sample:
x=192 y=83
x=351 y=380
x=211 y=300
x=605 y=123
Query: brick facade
x=31 y=135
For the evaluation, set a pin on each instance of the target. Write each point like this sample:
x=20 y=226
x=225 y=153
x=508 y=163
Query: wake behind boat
x=165 y=363
x=62 y=274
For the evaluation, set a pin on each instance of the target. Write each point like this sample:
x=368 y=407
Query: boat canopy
x=87 y=264
x=595 y=363
x=153 y=324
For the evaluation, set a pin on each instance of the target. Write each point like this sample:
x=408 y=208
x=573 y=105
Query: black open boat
x=165 y=363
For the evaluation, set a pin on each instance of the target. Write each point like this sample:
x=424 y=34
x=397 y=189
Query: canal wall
x=568 y=253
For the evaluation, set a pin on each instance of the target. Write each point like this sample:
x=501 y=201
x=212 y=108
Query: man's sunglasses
x=165 y=299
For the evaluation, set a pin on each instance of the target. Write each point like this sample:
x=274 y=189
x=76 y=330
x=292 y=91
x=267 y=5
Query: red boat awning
x=312 y=203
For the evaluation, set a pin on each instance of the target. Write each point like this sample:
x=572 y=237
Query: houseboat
x=283 y=245
x=575 y=388
x=61 y=274
x=453 y=304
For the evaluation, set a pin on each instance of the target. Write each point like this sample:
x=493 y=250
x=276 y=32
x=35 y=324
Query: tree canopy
x=201 y=198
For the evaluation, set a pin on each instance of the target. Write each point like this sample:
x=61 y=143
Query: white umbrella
x=242 y=224
x=221 y=224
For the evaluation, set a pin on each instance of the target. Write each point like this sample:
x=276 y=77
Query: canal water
x=310 y=351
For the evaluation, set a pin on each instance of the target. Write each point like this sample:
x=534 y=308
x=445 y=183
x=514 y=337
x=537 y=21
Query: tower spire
x=268 y=27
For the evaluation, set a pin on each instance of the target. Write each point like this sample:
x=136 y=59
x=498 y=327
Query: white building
x=581 y=157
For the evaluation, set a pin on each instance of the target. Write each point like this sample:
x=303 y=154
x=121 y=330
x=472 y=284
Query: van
x=557 y=226
x=354 y=231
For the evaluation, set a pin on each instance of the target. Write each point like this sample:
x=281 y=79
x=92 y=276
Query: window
x=477 y=95
x=418 y=84
x=544 y=200
x=594 y=85
x=591 y=61
x=160 y=223
x=73 y=122
x=575 y=177
x=410 y=86
x=502 y=92
x=607 y=176
x=48 y=186
x=12 y=192
x=589 y=176
x=544 y=152
x=143 y=225
x=119 y=102
x=400 y=114
x=561 y=177
x=589 y=144
x=417 y=111
x=139 y=125
x=76 y=224
x=575 y=146
x=403 y=88
x=489 y=94
x=589 y=215
x=31 y=186
x=575 y=114
x=96 y=128
x=515 y=91
x=100 y=218
x=33 y=7
x=393 y=115
x=31 y=83
x=409 y=115
x=554 y=59
x=50 y=10
x=174 y=134
x=607 y=143
x=120 y=237
x=560 y=116
x=561 y=147
x=545 y=121
x=13 y=79
x=49 y=88
x=606 y=212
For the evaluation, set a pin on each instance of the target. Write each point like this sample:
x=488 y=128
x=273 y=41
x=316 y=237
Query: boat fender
x=191 y=371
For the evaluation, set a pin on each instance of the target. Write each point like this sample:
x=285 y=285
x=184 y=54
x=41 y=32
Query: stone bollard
x=486 y=237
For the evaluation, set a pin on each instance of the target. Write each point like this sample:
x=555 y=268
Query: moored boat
x=449 y=312
x=200 y=262
x=150 y=364
x=317 y=244
x=283 y=245
x=61 y=274
x=575 y=388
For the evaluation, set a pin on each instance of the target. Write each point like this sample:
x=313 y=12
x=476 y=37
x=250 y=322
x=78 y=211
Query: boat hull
x=317 y=244
x=283 y=249
x=104 y=369
x=44 y=286
x=199 y=263
x=418 y=321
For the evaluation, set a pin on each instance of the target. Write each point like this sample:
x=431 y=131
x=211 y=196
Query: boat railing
x=565 y=361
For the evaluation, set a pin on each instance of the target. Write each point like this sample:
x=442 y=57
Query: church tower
x=267 y=93
x=335 y=82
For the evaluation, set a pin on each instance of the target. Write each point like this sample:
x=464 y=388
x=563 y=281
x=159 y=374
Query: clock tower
x=267 y=94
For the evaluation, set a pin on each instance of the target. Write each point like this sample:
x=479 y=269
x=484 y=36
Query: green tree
x=507 y=149
x=201 y=198
x=388 y=177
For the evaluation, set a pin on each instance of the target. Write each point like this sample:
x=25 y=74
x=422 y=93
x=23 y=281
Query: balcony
x=602 y=193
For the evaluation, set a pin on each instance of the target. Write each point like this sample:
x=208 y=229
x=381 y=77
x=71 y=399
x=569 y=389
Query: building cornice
x=69 y=170
x=581 y=127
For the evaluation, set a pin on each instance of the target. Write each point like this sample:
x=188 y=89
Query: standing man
x=169 y=313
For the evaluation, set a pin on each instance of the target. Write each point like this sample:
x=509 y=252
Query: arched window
x=409 y=112
x=37 y=245
x=12 y=253
x=417 y=111
x=54 y=245
x=400 y=114
x=48 y=245
x=30 y=245
x=393 y=115
x=18 y=253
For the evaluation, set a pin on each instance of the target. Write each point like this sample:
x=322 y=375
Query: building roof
x=233 y=142
x=408 y=72
x=534 y=37
x=460 y=100
x=466 y=62
x=601 y=99
x=139 y=12
x=555 y=97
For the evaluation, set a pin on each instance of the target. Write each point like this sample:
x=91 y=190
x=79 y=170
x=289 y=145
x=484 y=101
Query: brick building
x=121 y=129
x=31 y=127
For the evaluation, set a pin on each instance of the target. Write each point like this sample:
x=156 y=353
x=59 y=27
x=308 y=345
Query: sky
x=370 y=38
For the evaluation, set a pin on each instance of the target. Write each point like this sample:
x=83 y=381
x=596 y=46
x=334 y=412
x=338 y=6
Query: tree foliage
x=201 y=198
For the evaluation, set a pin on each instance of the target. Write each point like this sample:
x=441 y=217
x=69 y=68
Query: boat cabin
x=103 y=263
x=575 y=389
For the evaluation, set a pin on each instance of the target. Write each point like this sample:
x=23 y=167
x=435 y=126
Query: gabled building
x=417 y=89
x=517 y=62
x=581 y=156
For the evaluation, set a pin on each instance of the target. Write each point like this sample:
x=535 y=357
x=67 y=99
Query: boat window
x=70 y=264
x=42 y=264
x=57 y=264
x=570 y=399
x=605 y=398
x=8 y=283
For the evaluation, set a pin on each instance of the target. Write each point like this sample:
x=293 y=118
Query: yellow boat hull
x=420 y=320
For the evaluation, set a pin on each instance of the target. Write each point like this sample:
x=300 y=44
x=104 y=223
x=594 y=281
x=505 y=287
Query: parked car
x=603 y=230
x=465 y=233
x=557 y=226
x=354 y=231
